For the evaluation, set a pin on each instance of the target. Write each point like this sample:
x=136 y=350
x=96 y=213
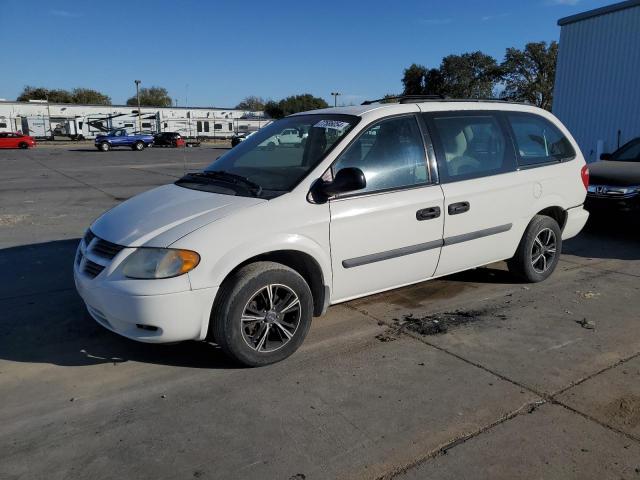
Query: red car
x=16 y=140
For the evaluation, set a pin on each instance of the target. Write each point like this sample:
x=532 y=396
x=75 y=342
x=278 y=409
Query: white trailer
x=38 y=127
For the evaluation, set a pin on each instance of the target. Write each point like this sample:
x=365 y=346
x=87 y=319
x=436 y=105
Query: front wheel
x=104 y=147
x=539 y=250
x=23 y=146
x=138 y=146
x=262 y=314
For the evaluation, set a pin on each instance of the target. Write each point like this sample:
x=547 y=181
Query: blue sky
x=224 y=51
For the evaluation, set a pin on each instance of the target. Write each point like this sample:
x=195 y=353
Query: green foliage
x=151 y=97
x=470 y=75
x=529 y=74
x=90 y=97
x=414 y=79
x=78 y=95
x=251 y=104
x=294 y=104
x=41 y=93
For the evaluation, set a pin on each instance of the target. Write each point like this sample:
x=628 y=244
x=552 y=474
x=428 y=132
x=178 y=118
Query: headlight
x=148 y=263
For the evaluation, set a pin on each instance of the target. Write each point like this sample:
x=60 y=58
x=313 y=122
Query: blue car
x=120 y=138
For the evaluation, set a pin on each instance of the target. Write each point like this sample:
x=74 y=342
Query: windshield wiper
x=232 y=178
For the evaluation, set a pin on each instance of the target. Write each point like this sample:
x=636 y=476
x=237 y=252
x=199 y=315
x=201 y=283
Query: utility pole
x=335 y=98
x=139 y=113
x=49 y=115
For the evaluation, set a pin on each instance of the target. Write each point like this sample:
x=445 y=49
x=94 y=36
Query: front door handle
x=428 y=213
x=460 y=207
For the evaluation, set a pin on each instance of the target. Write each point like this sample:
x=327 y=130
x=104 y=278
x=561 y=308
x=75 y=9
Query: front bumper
x=603 y=204
x=132 y=309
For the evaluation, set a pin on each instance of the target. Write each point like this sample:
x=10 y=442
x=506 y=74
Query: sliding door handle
x=428 y=213
x=460 y=207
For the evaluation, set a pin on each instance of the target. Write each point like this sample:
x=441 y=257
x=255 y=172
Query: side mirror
x=605 y=156
x=346 y=180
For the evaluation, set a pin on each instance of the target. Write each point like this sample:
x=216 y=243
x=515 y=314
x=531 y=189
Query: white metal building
x=42 y=119
x=597 y=89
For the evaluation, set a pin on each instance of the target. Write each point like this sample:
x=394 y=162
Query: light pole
x=138 y=97
x=335 y=98
x=49 y=115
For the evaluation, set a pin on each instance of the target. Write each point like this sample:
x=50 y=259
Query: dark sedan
x=614 y=182
x=168 y=139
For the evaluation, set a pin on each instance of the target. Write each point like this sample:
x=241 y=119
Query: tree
x=89 y=96
x=78 y=95
x=470 y=75
x=273 y=109
x=434 y=82
x=152 y=97
x=529 y=74
x=294 y=104
x=41 y=93
x=414 y=79
x=251 y=104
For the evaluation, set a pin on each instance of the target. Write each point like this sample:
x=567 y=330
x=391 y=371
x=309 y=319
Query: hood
x=613 y=172
x=165 y=214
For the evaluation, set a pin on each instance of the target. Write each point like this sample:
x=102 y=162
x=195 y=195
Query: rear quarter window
x=537 y=140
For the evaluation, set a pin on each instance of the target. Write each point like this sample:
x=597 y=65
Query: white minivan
x=245 y=253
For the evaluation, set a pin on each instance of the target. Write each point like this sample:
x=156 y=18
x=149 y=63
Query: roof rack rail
x=405 y=98
x=435 y=98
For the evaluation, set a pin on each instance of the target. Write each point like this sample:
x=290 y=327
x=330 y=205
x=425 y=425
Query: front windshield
x=276 y=158
x=628 y=153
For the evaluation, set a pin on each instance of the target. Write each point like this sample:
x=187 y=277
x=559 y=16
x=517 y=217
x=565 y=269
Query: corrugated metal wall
x=597 y=90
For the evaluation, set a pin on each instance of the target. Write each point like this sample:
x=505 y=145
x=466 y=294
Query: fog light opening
x=150 y=328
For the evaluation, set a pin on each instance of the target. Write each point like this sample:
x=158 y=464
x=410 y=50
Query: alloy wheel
x=543 y=250
x=271 y=318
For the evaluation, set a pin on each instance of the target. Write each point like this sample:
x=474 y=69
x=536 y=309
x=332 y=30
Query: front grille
x=92 y=269
x=106 y=249
x=88 y=237
x=96 y=248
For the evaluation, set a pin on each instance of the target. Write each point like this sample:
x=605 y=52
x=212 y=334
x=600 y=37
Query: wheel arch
x=559 y=214
x=303 y=263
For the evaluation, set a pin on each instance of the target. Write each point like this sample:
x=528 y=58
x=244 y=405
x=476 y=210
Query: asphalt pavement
x=518 y=380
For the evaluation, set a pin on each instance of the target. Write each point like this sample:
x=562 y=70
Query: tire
x=539 y=250
x=23 y=146
x=245 y=294
x=138 y=146
x=104 y=147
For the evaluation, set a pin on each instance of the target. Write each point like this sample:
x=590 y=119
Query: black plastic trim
x=422 y=247
x=465 y=237
x=389 y=254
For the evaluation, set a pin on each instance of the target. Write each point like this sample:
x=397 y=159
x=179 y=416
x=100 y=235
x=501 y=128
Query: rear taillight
x=584 y=174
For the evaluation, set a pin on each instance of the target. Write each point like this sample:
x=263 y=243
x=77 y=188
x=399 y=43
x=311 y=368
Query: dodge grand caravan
x=247 y=251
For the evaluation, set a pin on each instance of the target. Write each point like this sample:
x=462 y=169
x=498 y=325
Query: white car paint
x=228 y=230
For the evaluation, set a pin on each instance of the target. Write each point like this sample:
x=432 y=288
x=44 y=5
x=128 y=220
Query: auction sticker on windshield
x=332 y=124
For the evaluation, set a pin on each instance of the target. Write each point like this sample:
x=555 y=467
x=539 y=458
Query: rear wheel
x=138 y=146
x=539 y=250
x=104 y=147
x=262 y=314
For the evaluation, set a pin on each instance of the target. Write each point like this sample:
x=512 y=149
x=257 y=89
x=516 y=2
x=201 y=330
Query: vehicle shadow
x=43 y=320
x=611 y=237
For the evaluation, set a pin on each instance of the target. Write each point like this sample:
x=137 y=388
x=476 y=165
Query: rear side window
x=538 y=140
x=470 y=145
x=390 y=154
